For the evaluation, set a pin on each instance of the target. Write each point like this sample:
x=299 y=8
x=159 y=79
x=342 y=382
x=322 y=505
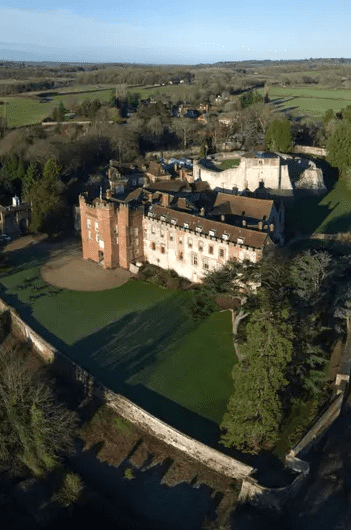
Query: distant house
x=156 y=172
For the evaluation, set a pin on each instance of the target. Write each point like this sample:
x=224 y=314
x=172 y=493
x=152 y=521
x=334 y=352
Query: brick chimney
x=202 y=212
x=260 y=225
x=165 y=199
x=223 y=217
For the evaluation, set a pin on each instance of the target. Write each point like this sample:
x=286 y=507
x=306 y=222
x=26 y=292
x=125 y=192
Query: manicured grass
x=229 y=163
x=197 y=373
x=137 y=336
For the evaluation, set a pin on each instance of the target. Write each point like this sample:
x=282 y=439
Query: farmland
x=311 y=101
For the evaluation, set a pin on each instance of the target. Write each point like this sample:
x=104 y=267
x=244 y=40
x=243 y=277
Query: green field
x=25 y=110
x=312 y=101
x=28 y=111
x=136 y=336
x=229 y=163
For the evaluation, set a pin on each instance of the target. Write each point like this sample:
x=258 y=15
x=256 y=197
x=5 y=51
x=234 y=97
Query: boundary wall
x=251 y=490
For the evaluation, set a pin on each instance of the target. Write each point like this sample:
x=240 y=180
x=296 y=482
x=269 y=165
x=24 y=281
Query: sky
x=177 y=32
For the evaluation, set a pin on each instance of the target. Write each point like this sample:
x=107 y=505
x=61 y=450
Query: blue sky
x=181 y=31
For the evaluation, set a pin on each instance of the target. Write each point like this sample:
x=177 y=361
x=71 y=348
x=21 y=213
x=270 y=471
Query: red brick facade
x=112 y=232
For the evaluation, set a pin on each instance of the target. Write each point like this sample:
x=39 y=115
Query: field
x=137 y=338
x=24 y=110
x=312 y=101
x=27 y=110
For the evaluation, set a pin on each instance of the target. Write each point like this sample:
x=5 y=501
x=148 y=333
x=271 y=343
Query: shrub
x=128 y=473
x=69 y=490
x=201 y=305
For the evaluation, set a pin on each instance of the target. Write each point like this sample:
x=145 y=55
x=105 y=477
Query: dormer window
x=198 y=229
x=186 y=225
x=225 y=236
x=240 y=241
x=163 y=217
x=212 y=232
x=174 y=221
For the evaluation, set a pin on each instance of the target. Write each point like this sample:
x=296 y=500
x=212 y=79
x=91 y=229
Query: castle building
x=15 y=219
x=124 y=233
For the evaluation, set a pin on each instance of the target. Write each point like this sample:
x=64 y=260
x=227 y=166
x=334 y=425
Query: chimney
x=244 y=223
x=260 y=225
x=165 y=199
x=271 y=227
x=109 y=193
x=222 y=217
x=202 y=212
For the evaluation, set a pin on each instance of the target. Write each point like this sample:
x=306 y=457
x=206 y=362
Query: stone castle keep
x=279 y=174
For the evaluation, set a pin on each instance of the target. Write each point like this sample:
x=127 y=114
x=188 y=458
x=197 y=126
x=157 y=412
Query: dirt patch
x=77 y=274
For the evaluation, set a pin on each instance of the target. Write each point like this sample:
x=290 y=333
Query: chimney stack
x=202 y=212
x=260 y=225
x=222 y=217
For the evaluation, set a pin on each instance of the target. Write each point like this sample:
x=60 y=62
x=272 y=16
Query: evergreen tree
x=254 y=410
x=339 y=147
x=278 y=136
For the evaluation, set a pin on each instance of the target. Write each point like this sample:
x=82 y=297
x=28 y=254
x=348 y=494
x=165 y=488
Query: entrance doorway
x=100 y=257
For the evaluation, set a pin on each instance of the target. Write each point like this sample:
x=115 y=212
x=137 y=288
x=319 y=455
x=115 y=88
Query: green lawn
x=338 y=203
x=136 y=336
x=197 y=373
x=229 y=163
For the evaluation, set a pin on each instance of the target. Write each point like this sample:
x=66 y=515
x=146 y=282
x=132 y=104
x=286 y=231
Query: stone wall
x=317 y=151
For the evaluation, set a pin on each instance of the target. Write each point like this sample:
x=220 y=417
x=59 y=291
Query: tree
x=339 y=147
x=45 y=197
x=254 y=411
x=278 y=136
x=34 y=428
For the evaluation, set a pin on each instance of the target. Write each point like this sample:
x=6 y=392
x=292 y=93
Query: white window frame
x=195 y=260
x=205 y=264
x=136 y=231
x=171 y=236
x=153 y=229
x=89 y=234
x=96 y=226
x=97 y=237
x=89 y=224
x=190 y=242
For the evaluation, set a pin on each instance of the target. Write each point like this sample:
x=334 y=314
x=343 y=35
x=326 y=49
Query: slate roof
x=242 y=206
x=251 y=238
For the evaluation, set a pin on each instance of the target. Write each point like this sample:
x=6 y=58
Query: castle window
x=96 y=227
x=201 y=246
x=89 y=235
x=190 y=242
x=97 y=238
x=162 y=233
x=116 y=240
x=181 y=255
x=210 y=249
x=171 y=237
x=162 y=250
x=153 y=246
x=136 y=251
x=180 y=240
x=116 y=229
x=88 y=223
x=136 y=242
x=221 y=252
x=136 y=231
x=194 y=256
x=205 y=264
x=152 y=229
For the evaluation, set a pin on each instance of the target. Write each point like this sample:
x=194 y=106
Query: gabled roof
x=171 y=185
x=243 y=206
x=250 y=238
x=156 y=169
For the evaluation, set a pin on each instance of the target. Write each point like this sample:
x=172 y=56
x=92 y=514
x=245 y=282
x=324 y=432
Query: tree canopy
x=278 y=136
x=339 y=147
